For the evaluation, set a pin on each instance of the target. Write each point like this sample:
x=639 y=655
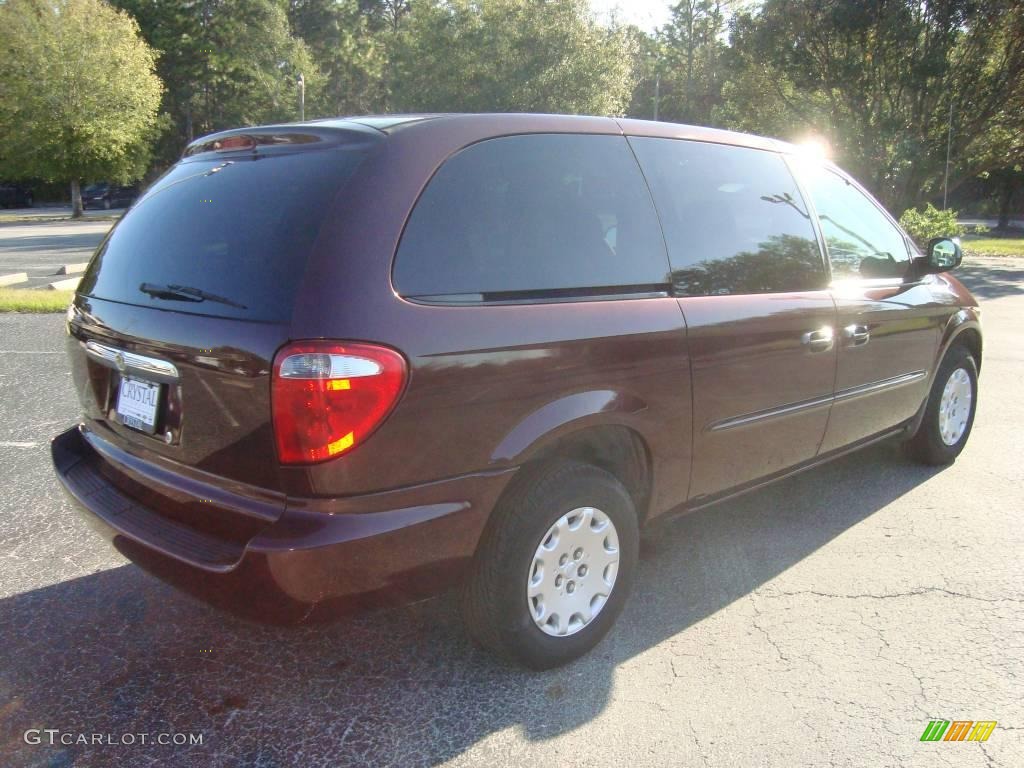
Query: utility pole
x=302 y=97
x=657 y=93
x=949 y=142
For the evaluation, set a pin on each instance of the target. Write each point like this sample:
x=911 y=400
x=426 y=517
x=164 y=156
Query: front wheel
x=949 y=413
x=554 y=567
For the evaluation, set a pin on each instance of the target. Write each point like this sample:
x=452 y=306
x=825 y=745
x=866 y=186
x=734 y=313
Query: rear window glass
x=234 y=233
x=734 y=219
x=533 y=215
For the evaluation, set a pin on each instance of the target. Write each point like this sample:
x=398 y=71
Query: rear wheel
x=555 y=566
x=949 y=413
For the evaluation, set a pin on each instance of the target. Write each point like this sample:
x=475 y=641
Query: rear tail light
x=328 y=397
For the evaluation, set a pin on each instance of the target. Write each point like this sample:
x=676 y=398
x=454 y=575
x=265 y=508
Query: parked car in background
x=351 y=357
x=16 y=196
x=107 y=196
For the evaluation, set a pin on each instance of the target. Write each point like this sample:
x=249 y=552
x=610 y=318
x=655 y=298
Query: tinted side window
x=531 y=214
x=861 y=241
x=733 y=218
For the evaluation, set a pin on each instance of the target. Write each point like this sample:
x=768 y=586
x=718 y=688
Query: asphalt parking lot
x=824 y=620
x=40 y=248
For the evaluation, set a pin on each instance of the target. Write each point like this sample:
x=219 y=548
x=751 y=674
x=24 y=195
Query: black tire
x=927 y=444
x=494 y=600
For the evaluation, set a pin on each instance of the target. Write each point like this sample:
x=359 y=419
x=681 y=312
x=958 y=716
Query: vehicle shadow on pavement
x=119 y=652
x=989 y=282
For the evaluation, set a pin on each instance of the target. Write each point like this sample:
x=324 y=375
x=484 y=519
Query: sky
x=646 y=14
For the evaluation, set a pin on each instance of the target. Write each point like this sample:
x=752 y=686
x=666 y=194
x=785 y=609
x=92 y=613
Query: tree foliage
x=350 y=57
x=226 y=63
x=79 y=98
x=235 y=62
x=879 y=80
x=691 y=69
x=929 y=222
x=385 y=14
x=509 y=55
x=648 y=56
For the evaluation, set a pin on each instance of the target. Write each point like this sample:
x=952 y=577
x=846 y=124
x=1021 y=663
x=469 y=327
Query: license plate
x=137 y=404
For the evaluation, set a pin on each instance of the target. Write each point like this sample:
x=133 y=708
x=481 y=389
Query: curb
x=64 y=285
x=72 y=269
x=13 y=278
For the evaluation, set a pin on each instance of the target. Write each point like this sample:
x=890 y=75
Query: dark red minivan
x=343 y=359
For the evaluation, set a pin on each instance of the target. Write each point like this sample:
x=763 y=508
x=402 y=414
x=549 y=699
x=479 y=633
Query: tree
x=648 y=63
x=509 y=55
x=879 y=79
x=691 y=72
x=226 y=63
x=350 y=56
x=1011 y=181
x=78 y=94
x=998 y=161
x=385 y=13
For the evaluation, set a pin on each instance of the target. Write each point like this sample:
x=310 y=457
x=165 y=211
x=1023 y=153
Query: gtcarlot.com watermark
x=57 y=737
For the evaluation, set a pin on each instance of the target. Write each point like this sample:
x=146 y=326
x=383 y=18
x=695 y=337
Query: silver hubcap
x=955 y=406
x=573 y=571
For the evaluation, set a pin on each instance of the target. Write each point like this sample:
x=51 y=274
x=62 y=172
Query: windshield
x=240 y=228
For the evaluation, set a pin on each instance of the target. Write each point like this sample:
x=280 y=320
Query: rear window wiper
x=174 y=292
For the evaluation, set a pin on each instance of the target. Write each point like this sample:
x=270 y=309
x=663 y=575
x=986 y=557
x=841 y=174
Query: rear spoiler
x=271 y=139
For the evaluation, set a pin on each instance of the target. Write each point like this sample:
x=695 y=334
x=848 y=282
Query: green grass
x=995 y=246
x=34 y=300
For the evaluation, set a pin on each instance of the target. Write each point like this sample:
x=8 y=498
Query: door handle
x=858 y=335
x=820 y=340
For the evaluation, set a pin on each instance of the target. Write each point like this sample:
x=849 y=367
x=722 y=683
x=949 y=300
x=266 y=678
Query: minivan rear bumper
x=328 y=553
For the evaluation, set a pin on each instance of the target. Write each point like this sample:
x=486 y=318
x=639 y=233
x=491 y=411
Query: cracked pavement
x=821 y=621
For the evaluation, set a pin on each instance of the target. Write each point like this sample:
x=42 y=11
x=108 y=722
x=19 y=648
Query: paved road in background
x=40 y=248
x=51 y=210
x=822 y=621
x=990 y=223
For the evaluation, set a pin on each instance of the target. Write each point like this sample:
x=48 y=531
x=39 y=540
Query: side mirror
x=944 y=254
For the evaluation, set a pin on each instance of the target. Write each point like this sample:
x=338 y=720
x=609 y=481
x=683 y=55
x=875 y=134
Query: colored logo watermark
x=958 y=730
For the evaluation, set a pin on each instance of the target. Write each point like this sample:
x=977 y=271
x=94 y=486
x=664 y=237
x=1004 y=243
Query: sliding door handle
x=857 y=335
x=820 y=340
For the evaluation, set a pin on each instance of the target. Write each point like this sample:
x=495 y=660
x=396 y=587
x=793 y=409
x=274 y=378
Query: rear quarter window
x=240 y=228
x=533 y=215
